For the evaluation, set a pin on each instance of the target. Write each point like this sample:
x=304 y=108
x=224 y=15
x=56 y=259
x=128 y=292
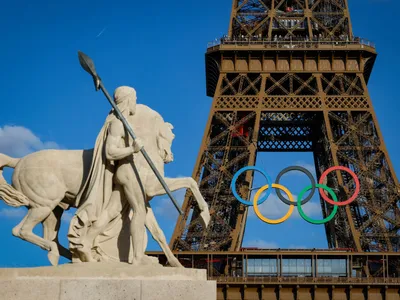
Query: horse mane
x=164 y=137
x=163 y=129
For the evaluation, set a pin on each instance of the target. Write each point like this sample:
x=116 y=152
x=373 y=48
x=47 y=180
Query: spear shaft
x=143 y=151
x=88 y=65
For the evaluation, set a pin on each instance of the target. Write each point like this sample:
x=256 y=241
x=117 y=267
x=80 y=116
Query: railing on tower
x=290 y=43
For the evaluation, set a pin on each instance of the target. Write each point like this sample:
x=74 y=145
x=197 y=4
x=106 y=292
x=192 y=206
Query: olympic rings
x=256 y=201
x=356 y=181
x=269 y=221
x=235 y=178
x=303 y=170
x=308 y=219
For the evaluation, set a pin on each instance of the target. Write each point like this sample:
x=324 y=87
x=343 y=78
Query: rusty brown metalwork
x=270 y=18
x=297 y=274
x=292 y=88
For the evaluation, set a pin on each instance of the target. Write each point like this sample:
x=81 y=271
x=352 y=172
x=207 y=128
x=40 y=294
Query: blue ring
x=250 y=203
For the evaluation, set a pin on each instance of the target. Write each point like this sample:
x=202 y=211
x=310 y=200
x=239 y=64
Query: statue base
x=98 y=281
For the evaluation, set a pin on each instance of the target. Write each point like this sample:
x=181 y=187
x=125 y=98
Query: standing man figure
x=118 y=149
x=112 y=164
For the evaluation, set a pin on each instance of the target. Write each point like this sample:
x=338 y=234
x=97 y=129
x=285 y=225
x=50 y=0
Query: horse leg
x=16 y=230
x=158 y=235
x=51 y=226
x=156 y=189
x=146 y=241
x=34 y=217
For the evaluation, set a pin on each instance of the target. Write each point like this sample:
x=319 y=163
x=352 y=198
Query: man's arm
x=114 y=151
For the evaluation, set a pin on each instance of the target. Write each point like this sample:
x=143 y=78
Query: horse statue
x=47 y=182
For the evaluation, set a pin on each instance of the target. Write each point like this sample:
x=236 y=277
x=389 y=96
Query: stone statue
x=112 y=162
x=111 y=185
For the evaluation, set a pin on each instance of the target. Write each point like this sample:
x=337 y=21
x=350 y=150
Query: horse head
x=164 y=142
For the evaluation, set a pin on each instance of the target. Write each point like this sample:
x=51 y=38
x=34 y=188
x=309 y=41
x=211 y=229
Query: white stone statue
x=111 y=185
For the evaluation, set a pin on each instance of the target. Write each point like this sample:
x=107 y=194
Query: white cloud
x=260 y=244
x=164 y=206
x=19 y=141
x=13 y=213
x=307 y=166
x=297 y=247
x=19 y=213
x=275 y=208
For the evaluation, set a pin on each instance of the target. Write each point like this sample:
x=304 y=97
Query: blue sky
x=158 y=48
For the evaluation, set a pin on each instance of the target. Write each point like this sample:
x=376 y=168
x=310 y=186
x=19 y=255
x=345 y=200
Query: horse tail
x=8 y=194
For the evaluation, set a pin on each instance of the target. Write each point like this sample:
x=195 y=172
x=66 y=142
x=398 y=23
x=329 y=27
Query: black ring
x=303 y=170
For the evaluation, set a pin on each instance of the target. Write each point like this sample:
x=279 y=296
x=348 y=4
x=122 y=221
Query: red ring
x=356 y=181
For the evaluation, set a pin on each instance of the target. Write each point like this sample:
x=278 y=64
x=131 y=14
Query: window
x=262 y=267
x=331 y=267
x=296 y=267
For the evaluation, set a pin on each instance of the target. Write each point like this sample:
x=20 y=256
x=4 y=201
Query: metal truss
x=276 y=100
x=271 y=19
x=243 y=124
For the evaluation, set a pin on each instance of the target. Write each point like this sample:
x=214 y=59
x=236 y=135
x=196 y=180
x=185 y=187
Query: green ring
x=308 y=219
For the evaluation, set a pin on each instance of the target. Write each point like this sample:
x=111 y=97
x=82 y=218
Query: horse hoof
x=53 y=254
x=15 y=232
x=53 y=258
x=85 y=255
x=205 y=217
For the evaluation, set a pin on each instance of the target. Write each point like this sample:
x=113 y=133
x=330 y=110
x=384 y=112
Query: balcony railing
x=311 y=280
x=253 y=250
x=291 y=44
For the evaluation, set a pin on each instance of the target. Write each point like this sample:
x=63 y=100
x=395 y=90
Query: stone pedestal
x=108 y=281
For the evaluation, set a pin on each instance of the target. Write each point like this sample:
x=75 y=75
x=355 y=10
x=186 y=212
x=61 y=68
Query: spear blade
x=88 y=65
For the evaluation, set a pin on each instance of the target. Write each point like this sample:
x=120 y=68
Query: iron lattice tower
x=290 y=76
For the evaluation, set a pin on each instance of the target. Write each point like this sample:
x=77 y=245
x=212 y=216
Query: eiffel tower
x=291 y=76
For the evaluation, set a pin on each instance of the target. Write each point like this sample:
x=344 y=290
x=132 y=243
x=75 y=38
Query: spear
x=88 y=65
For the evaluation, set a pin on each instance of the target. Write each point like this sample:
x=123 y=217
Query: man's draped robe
x=114 y=242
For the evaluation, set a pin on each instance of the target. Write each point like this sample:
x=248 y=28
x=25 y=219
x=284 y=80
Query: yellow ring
x=269 y=221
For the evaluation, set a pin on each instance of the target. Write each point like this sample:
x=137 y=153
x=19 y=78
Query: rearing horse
x=48 y=181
